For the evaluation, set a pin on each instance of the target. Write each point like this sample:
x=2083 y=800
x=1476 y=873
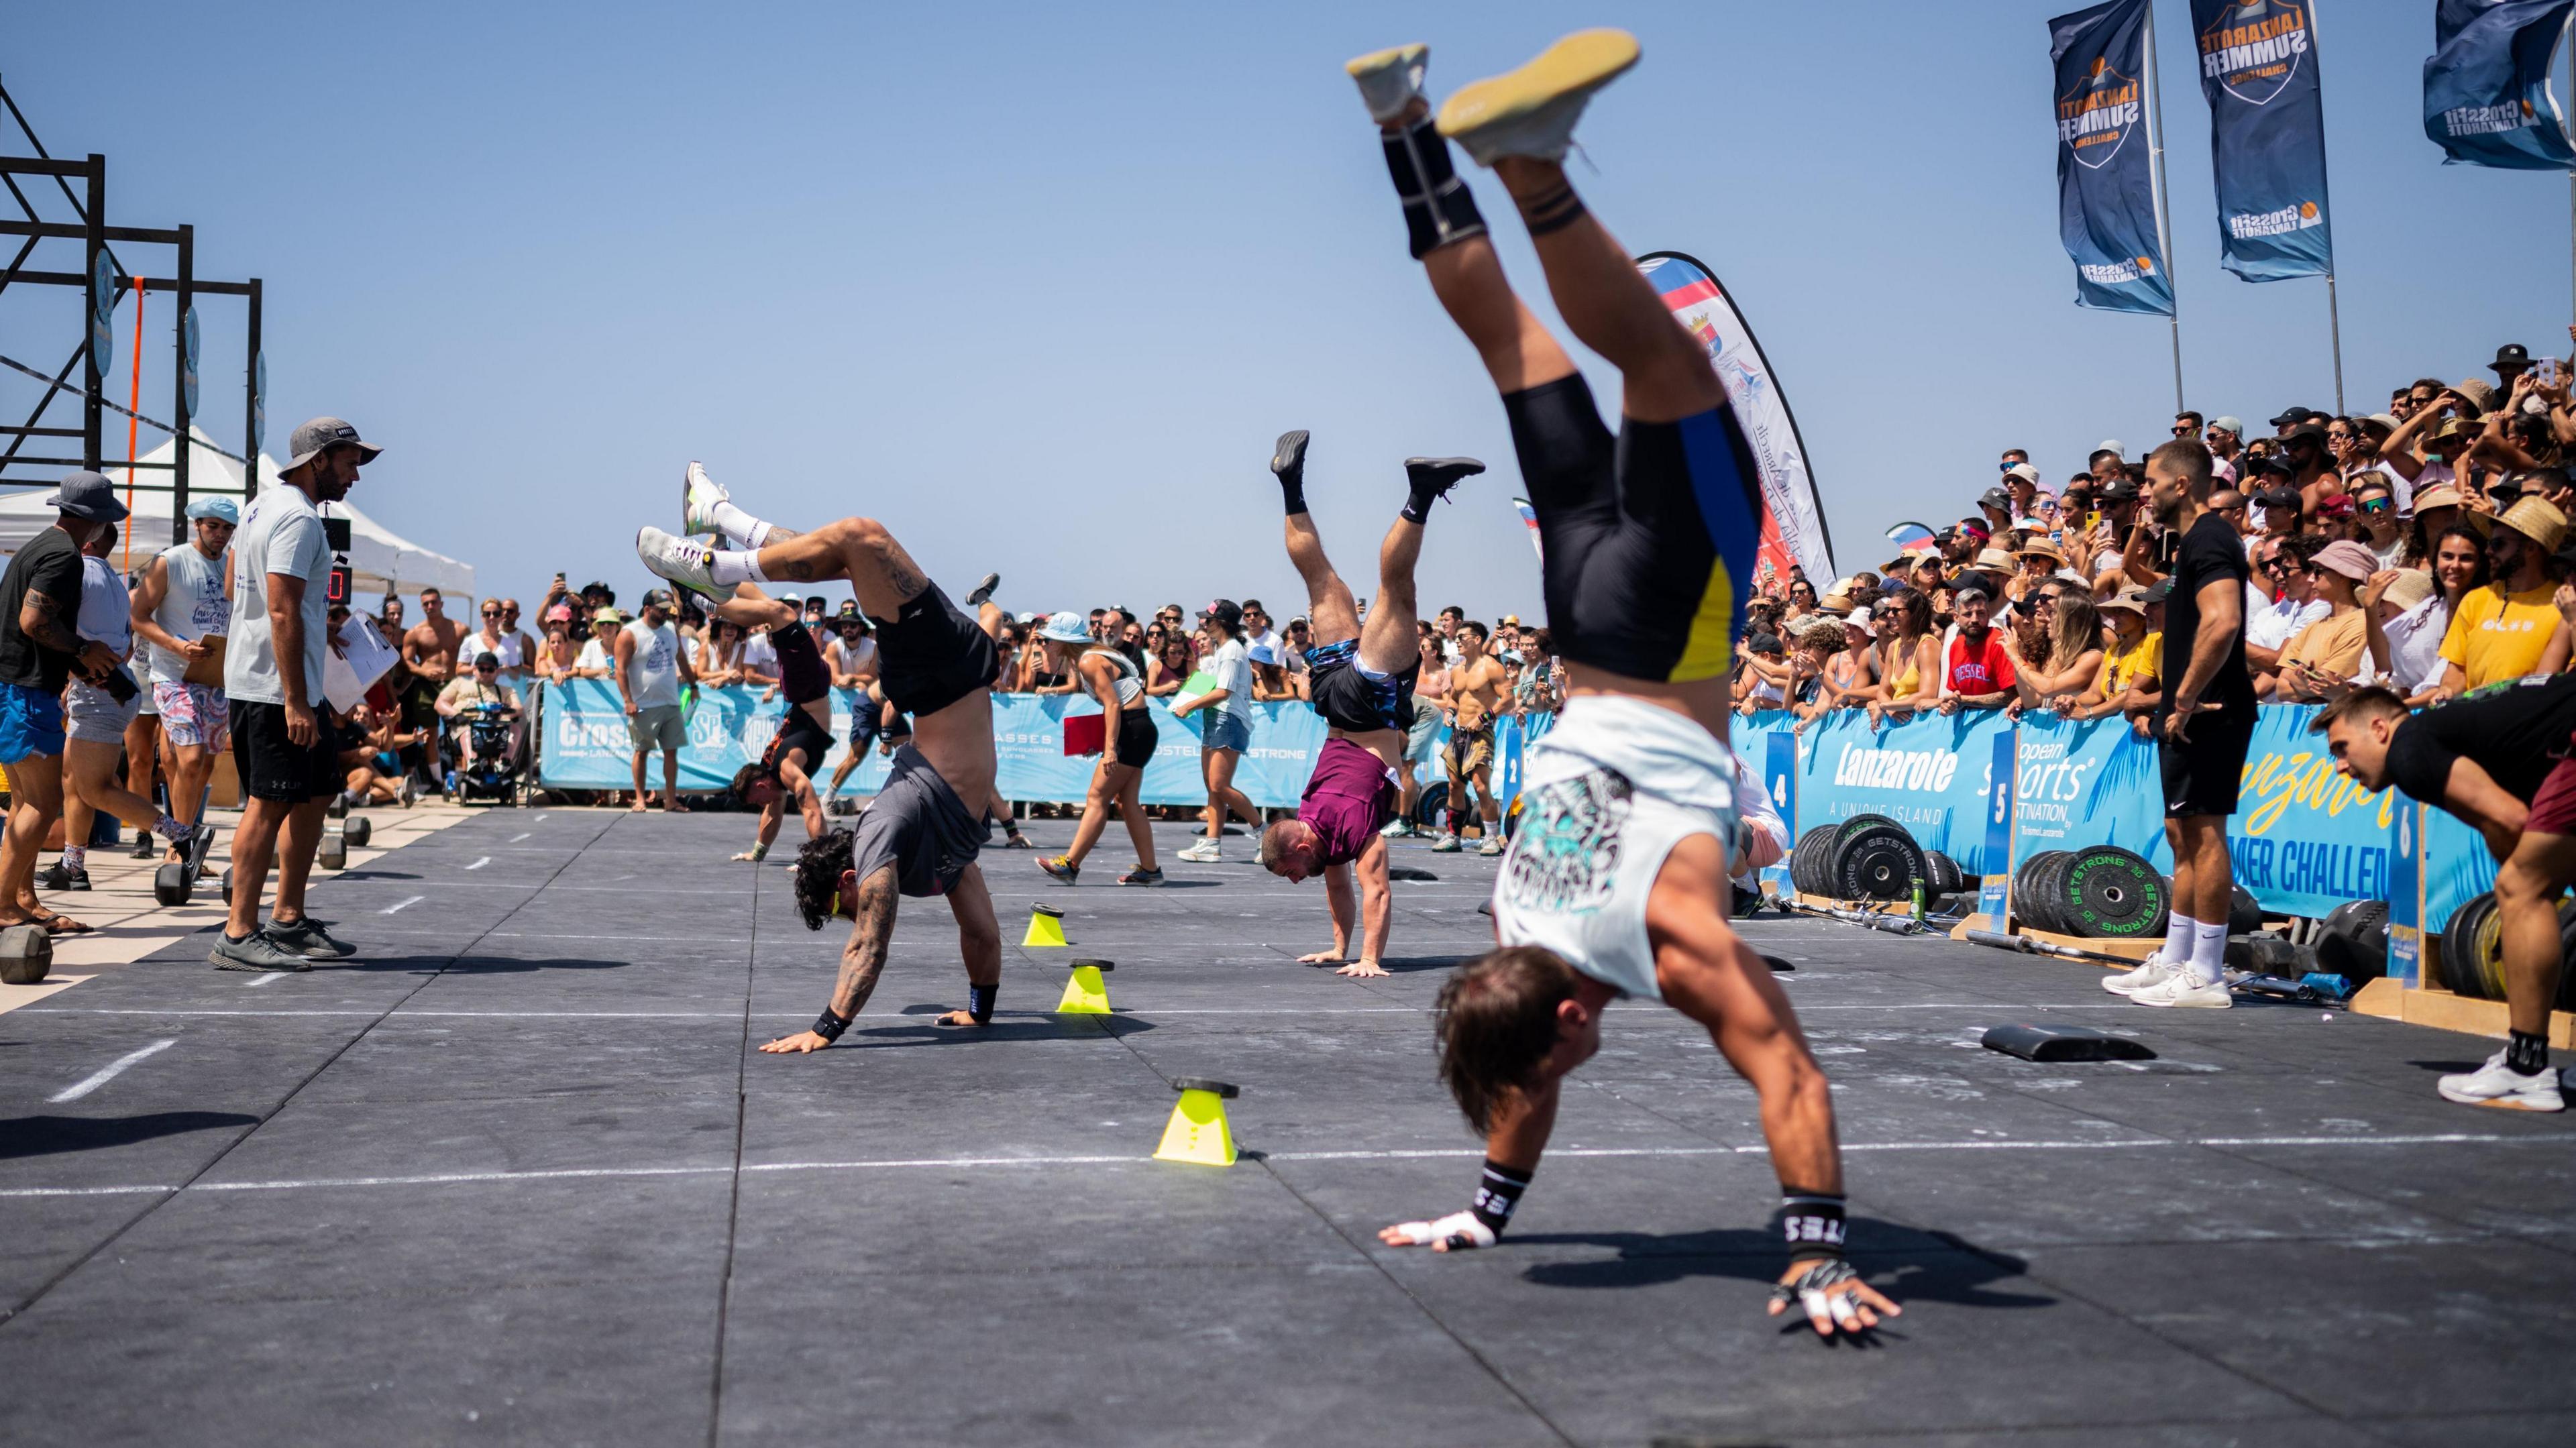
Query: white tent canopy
x=381 y=559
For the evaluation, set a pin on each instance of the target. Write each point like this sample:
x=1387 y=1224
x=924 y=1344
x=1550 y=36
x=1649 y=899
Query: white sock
x=2208 y=951
x=739 y=528
x=728 y=567
x=2177 y=946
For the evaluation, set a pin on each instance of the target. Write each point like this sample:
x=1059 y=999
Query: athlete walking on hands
x=920 y=836
x=1616 y=883
x=1360 y=678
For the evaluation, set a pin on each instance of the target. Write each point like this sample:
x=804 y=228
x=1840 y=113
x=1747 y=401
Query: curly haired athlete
x=1616 y=882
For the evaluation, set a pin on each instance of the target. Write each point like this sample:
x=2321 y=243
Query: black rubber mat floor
x=516 y=1175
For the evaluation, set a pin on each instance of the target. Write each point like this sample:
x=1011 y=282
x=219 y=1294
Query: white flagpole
x=2164 y=228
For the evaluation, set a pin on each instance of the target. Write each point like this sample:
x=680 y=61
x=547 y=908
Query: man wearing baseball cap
x=650 y=669
x=273 y=680
x=40 y=652
x=182 y=608
x=2225 y=437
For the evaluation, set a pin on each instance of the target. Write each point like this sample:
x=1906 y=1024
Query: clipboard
x=1085 y=733
x=207 y=670
x=346 y=678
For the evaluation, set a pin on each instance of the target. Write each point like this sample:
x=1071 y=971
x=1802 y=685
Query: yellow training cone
x=1197 y=1132
x=1086 y=994
x=1046 y=927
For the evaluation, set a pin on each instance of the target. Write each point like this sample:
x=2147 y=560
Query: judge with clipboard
x=1122 y=733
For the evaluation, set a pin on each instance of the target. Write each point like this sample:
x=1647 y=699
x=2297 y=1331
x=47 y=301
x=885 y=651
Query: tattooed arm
x=41 y=619
x=862 y=960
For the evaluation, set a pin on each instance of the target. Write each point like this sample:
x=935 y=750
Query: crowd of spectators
x=2424 y=548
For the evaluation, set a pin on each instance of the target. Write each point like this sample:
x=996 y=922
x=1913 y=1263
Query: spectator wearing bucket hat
x=594 y=662
x=2509 y=628
x=40 y=651
x=2322 y=659
x=273 y=678
x=2132 y=672
x=182 y=607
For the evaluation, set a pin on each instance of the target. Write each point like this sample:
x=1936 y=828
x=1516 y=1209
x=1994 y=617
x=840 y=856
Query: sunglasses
x=2184 y=429
x=2380 y=506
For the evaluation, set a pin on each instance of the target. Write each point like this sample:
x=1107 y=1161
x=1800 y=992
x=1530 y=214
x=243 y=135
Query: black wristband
x=979 y=1001
x=1497 y=1195
x=1811 y=1223
x=830 y=1026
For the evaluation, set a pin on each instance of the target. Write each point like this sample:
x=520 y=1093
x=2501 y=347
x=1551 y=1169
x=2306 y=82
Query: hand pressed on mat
x=798 y=1044
x=1833 y=1297
x=1456 y=1232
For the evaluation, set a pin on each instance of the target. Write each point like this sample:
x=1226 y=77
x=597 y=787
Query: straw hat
x=1994 y=558
x=2042 y=548
x=2133 y=600
x=2539 y=520
x=2409 y=588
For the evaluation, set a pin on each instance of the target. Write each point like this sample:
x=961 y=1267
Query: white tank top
x=1130 y=687
x=191 y=607
x=505 y=649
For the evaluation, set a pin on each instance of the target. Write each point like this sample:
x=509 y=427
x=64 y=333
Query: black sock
x=1555 y=211
x=979 y=1001
x=1417 y=505
x=1438 y=207
x=1292 y=487
x=2526 y=1053
x=1497 y=1195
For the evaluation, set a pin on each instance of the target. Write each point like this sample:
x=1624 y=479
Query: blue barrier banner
x=2267 y=136
x=2087 y=782
x=1932 y=775
x=1994 y=893
x=2106 y=213
x=2305 y=839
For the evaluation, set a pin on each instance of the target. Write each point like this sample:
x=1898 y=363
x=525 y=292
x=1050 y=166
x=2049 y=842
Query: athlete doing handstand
x=783 y=775
x=919 y=836
x=1361 y=680
x=1616 y=882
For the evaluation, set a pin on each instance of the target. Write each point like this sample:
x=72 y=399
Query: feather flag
x=1911 y=537
x=1529 y=519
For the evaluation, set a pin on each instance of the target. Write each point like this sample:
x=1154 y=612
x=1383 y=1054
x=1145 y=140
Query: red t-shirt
x=1981 y=667
x=1348 y=799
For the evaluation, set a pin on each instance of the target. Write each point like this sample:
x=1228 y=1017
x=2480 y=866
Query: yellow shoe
x=1390 y=79
x=1531 y=111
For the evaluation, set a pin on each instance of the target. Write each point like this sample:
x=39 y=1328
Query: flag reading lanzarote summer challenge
x=2106 y=210
x=2267 y=142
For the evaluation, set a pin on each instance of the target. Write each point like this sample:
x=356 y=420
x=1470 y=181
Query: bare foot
x=960 y=1019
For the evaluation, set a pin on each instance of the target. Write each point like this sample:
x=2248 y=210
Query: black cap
x=1763 y=643
x=2121 y=489
x=2160 y=590
x=1995 y=498
x=1225 y=611
x=487 y=661
x=2271 y=463
x=2308 y=430
x=2291 y=415
x=2512 y=355
x=2279 y=498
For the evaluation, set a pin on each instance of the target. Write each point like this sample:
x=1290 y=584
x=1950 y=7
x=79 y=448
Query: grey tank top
x=1130 y=686
x=192 y=607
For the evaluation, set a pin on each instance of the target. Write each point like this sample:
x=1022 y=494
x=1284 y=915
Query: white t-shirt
x=594 y=655
x=280 y=535
x=653 y=670
x=2415 y=644
x=2274 y=624
x=104 y=616
x=760 y=654
x=1231 y=667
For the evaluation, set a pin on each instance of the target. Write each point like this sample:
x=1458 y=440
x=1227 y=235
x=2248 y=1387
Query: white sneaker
x=1493 y=845
x=1531 y=111
x=1447 y=844
x=2154 y=970
x=678 y=560
x=1205 y=852
x=1397 y=829
x=2496 y=1084
x=699 y=495
x=2179 y=989
x=1390 y=79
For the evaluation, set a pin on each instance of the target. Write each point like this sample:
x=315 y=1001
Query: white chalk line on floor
x=1147 y=1014
x=109 y=1072
x=401 y=905
x=957 y=1163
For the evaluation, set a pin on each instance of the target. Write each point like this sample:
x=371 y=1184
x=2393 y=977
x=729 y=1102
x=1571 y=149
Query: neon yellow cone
x=1197 y=1131
x=1046 y=927
x=1086 y=994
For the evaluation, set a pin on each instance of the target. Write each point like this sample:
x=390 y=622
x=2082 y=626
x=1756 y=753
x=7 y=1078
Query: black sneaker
x=307 y=938
x=1141 y=876
x=976 y=596
x=1437 y=476
x=55 y=877
x=146 y=845
x=1288 y=455
x=255 y=952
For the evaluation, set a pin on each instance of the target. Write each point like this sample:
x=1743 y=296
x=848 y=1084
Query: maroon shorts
x=2553 y=809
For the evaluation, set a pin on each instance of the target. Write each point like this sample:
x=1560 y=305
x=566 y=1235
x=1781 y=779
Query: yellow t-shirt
x=2498 y=636
x=2334 y=644
x=2143 y=660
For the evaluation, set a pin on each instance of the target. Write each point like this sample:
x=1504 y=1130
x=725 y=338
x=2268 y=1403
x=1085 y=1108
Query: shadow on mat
x=1403 y=964
x=53 y=1135
x=893 y=1037
x=510 y=965
x=361 y=876
x=1944 y=1269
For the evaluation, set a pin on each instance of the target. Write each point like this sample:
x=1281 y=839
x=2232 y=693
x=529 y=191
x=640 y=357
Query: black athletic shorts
x=931 y=654
x=2204 y=773
x=797 y=731
x=1134 y=746
x=274 y=767
x=1650 y=538
x=1352 y=701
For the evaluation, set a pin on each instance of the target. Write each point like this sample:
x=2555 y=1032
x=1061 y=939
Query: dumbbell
x=228 y=884
x=172 y=884
x=359 y=829
x=26 y=953
x=335 y=845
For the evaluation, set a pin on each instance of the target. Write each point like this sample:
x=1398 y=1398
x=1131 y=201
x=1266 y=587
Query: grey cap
x=85 y=494
x=2229 y=425
x=313 y=437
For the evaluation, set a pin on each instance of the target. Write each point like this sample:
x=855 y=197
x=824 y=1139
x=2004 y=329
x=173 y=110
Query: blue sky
x=1037 y=285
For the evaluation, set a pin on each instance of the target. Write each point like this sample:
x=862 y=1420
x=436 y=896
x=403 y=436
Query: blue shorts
x=1225 y=731
x=31 y=722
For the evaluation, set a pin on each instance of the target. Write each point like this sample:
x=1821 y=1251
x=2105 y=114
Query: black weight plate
x=2567 y=955
x=1860 y=822
x=2048 y=892
x=2352 y=942
x=2112 y=894
x=2459 y=949
x=2488 y=953
x=1805 y=870
x=1946 y=878
x=1878 y=863
x=2244 y=913
x=2025 y=887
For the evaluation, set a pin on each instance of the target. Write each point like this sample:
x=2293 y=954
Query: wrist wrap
x=1497 y=1195
x=830 y=1026
x=979 y=1001
x=1812 y=1225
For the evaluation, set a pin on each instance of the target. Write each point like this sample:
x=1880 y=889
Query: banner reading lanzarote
x=1793 y=524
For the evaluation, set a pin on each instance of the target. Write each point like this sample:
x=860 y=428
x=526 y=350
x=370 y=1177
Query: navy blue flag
x=2267 y=136
x=2486 y=85
x=2106 y=208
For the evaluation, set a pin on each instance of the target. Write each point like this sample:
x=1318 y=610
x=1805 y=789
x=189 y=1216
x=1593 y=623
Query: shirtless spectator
x=1475 y=696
